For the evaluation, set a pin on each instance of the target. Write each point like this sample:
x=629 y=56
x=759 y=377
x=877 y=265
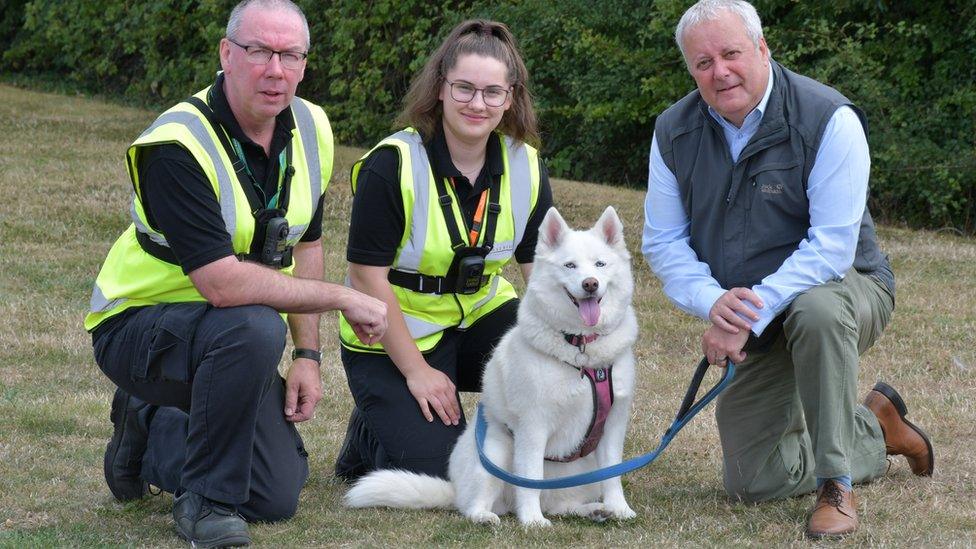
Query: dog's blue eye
x=600 y=264
x=569 y=265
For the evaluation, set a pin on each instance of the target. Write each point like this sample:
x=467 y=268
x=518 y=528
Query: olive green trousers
x=792 y=413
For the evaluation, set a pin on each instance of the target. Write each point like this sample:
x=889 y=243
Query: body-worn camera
x=470 y=270
x=276 y=252
x=270 y=245
x=470 y=273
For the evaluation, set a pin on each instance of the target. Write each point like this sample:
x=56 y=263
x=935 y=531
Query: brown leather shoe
x=901 y=436
x=834 y=514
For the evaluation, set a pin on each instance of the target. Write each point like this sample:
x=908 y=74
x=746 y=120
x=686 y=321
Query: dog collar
x=579 y=340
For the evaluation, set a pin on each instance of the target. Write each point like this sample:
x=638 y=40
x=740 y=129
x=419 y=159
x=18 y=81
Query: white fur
x=536 y=404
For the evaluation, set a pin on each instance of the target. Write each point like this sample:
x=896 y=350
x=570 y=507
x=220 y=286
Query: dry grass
x=65 y=194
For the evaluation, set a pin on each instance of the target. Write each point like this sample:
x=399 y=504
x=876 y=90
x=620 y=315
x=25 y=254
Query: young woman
x=439 y=208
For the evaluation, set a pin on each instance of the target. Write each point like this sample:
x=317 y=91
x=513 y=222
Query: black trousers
x=386 y=429
x=216 y=417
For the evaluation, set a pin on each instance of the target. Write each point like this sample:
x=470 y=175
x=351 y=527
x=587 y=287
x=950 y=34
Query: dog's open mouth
x=589 y=308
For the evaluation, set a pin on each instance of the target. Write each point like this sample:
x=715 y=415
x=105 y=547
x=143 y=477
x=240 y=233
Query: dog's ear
x=610 y=228
x=551 y=230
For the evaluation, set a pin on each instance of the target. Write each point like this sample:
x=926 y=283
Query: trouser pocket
x=169 y=343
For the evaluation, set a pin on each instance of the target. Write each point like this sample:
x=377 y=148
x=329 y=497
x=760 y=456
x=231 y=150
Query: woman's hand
x=434 y=390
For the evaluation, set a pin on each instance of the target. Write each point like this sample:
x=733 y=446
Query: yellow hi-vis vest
x=131 y=277
x=426 y=243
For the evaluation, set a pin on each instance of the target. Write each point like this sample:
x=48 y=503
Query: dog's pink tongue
x=589 y=310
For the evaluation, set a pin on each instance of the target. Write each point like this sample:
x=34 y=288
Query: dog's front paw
x=599 y=515
x=483 y=517
x=538 y=521
x=623 y=512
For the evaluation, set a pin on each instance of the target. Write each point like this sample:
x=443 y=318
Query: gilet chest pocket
x=168 y=344
x=777 y=188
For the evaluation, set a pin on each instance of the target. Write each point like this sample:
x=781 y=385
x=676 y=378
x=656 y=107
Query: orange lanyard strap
x=479 y=215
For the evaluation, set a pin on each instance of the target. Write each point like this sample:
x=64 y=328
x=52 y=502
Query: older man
x=756 y=220
x=186 y=311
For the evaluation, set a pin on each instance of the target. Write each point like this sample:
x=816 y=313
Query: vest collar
x=773 y=120
x=440 y=158
x=772 y=127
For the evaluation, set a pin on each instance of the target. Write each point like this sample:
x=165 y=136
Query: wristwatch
x=310 y=354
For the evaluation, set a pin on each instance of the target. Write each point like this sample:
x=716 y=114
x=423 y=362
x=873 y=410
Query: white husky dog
x=576 y=318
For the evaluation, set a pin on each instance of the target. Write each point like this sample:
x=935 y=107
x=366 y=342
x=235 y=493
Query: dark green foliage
x=910 y=66
x=601 y=72
x=600 y=76
x=368 y=53
x=144 y=51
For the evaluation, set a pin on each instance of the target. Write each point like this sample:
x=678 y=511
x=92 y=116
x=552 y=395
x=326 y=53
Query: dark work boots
x=207 y=523
x=123 y=455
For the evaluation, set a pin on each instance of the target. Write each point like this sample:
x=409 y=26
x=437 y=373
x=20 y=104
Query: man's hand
x=433 y=389
x=303 y=390
x=719 y=345
x=726 y=311
x=366 y=316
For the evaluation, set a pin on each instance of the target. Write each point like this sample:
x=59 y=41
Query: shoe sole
x=229 y=541
x=825 y=536
x=891 y=394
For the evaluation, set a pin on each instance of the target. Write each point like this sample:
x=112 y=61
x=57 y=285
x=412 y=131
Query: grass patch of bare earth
x=65 y=198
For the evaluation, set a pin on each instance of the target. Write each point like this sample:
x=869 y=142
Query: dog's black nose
x=591 y=284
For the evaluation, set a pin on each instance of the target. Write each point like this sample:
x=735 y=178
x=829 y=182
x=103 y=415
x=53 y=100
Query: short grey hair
x=237 y=15
x=710 y=10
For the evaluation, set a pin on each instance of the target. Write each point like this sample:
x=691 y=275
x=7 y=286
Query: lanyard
x=479 y=215
x=282 y=160
x=236 y=146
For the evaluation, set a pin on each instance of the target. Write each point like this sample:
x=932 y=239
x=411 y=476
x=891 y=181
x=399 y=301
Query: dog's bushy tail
x=400 y=489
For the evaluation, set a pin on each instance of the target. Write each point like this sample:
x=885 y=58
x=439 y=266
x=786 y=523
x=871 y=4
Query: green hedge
x=601 y=72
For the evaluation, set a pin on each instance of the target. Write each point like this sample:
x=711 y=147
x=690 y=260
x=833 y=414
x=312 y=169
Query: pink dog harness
x=601 y=382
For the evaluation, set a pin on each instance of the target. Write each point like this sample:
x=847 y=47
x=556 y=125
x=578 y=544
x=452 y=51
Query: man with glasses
x=186 y=314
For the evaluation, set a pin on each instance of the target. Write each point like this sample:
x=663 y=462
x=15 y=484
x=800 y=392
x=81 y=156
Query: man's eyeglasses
x=258 y=55
x=464 y=92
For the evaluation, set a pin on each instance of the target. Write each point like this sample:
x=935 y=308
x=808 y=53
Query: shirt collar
x=756 y=114
x=440 y=156
x=284 y=122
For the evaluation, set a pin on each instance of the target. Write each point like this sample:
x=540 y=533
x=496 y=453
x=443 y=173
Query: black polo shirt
x=378 y=198
x=179 y=200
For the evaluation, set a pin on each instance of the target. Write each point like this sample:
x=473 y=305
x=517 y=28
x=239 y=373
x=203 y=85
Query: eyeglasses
x=258 y=55
x=464 y=92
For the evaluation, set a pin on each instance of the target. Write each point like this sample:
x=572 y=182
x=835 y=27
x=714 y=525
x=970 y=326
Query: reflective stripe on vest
x=492 y=292
x=100 y=304
x=199 y=132
x=410 y=254
x=521 y=194
x=306 y=129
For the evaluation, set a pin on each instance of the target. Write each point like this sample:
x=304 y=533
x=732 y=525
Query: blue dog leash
x=689 y=407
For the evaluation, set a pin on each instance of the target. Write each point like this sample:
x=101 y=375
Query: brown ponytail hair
x=423 y=110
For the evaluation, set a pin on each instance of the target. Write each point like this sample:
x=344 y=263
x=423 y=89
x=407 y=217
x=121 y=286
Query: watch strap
x=310 y=354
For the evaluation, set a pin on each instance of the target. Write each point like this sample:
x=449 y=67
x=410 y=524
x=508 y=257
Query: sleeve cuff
x=766 y=314
x=705 y=299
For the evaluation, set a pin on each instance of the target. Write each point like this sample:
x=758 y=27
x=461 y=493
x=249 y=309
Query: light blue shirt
x=837 y=193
